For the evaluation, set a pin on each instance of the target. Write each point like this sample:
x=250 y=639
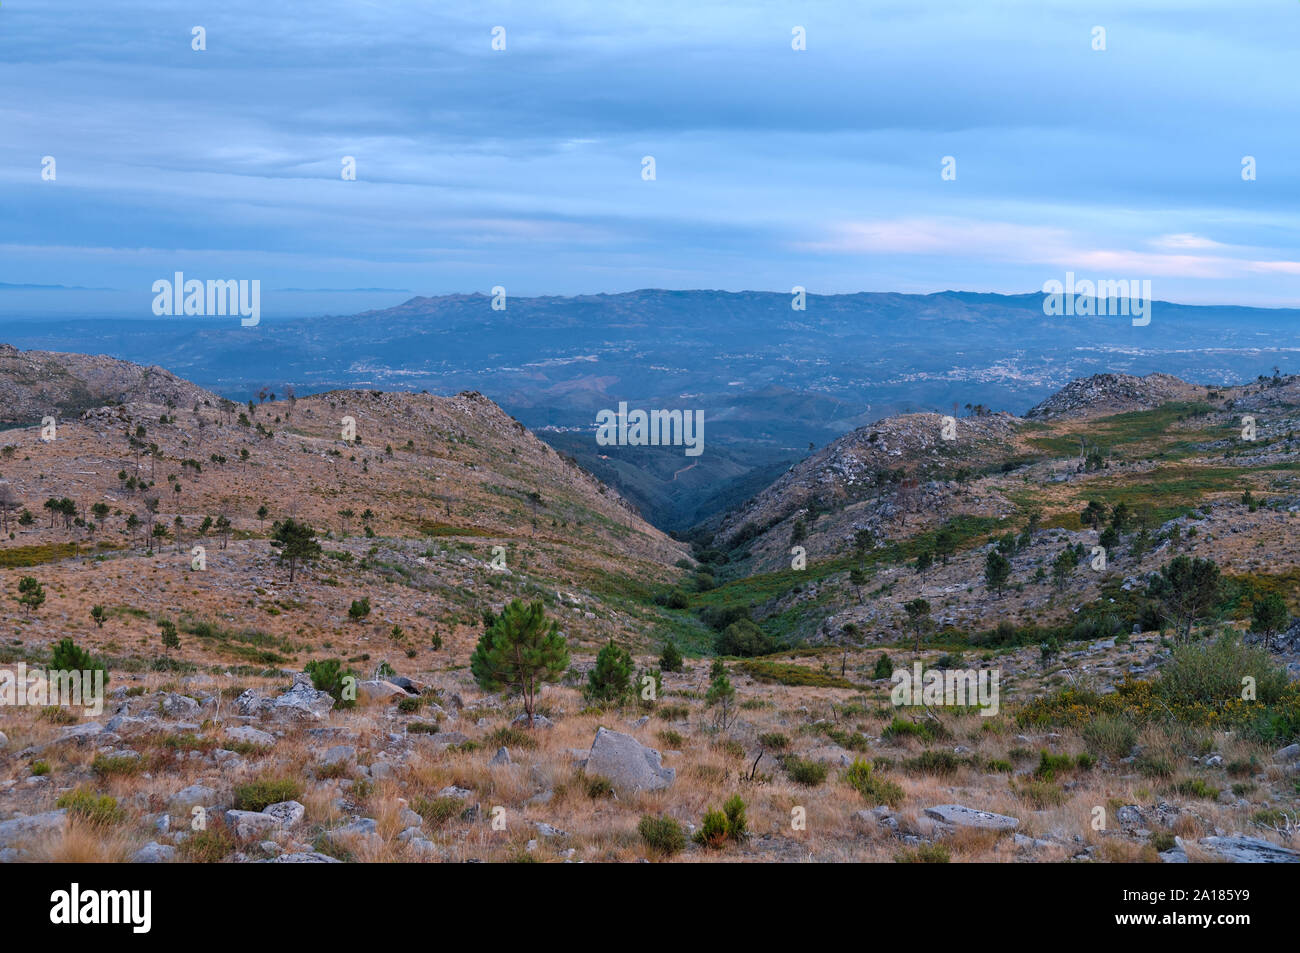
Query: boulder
x=629 y=765
x=250 y=735
x=179 y=706
x=287 y=813
x=501 y=757
x=251 y=825
x=302 y=702
x=154 y=853
x=32 y=826
x=955 y=815
x=379 y=690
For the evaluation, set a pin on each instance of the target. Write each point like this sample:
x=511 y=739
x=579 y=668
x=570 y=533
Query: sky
x=522 y=167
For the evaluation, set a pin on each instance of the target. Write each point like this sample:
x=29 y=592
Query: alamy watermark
x=1101 y=298
x=655 y=428
x=971 y=688
x=41 y=689
x=196 y=298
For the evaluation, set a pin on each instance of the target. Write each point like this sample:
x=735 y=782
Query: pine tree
x=520 y=652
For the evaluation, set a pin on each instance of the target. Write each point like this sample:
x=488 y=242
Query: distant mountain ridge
x=771 y=380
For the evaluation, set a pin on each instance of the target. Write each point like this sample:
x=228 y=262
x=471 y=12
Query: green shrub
x=100 y=810
x=208 y=846
x=942 y=763
x=611 y=678
x=884 y=667
x=1153 y=765
x=1195 y=787
x=67 y=657
x=804 y=771
x=663 y=835
x=902 y=728
x=596 y=786
x=924 y=854
x=1211 y=673
x=438 y=811
x=1110 y=736
x=327 y=675
x=671 y=739
x=874 y=789
x=728 y=824
x=774 y=740
x=510 y=737
x=107 y=766
x=262 y=793
x=671 y=660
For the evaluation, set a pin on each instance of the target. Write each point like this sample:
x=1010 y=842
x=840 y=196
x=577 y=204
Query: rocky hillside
x=442 y=509
x=1112 y=394
x=35 y=384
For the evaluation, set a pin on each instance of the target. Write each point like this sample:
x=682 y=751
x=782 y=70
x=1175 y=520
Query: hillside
x=1096 y=703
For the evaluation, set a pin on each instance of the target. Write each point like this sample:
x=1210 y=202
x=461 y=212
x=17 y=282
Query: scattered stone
x=154 y=853
x=955 y=815
x=251 y=825
x=250 y=735
x=34 y=825
x=629 y=765
x=288 y=813
x=501 y=757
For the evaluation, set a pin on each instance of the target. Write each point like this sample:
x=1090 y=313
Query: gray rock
x=306 y=857
x=501 y=757
x=4 y=741
x=1239 y=849
x=288 y=813
x=382 y=770
x=251 y=825
x=1289 y=753
x=34 y=825
x=379 y=690
x=179 y=706
x=154 y=853
x=955 y=815
x=339 y=754
x=250 y=735
x=195 y=795
x=546 y=830
x=629 y=765
x=452 y=791
x=362 y=825
x=83 y=733
x=539 y=721
x=302 y=702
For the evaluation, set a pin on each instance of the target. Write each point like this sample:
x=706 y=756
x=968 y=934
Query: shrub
x=670 y=738
x=728 y=824
x=100 y=810
x=774 y=740
x=942 y=763
x=874 y=789
x=804 y=771
x=596 y=786
x=327 y=675
x=1195 y=787
x=208 y=846
x=1211 y=673
x=663 y=835
x=924 y=854
x=611 y=678
x=1154 y=765
x=745 y=639
x=1041 y=794
x=510 y=737
x=262 y=793
x=671 y=660
x=107 y=765
x=1110 y=736
x=884 y=667
x=67 y=657
x=439 y=810
x=902 y=728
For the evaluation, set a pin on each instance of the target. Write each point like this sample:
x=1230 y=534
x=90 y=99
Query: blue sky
x=522 y=168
